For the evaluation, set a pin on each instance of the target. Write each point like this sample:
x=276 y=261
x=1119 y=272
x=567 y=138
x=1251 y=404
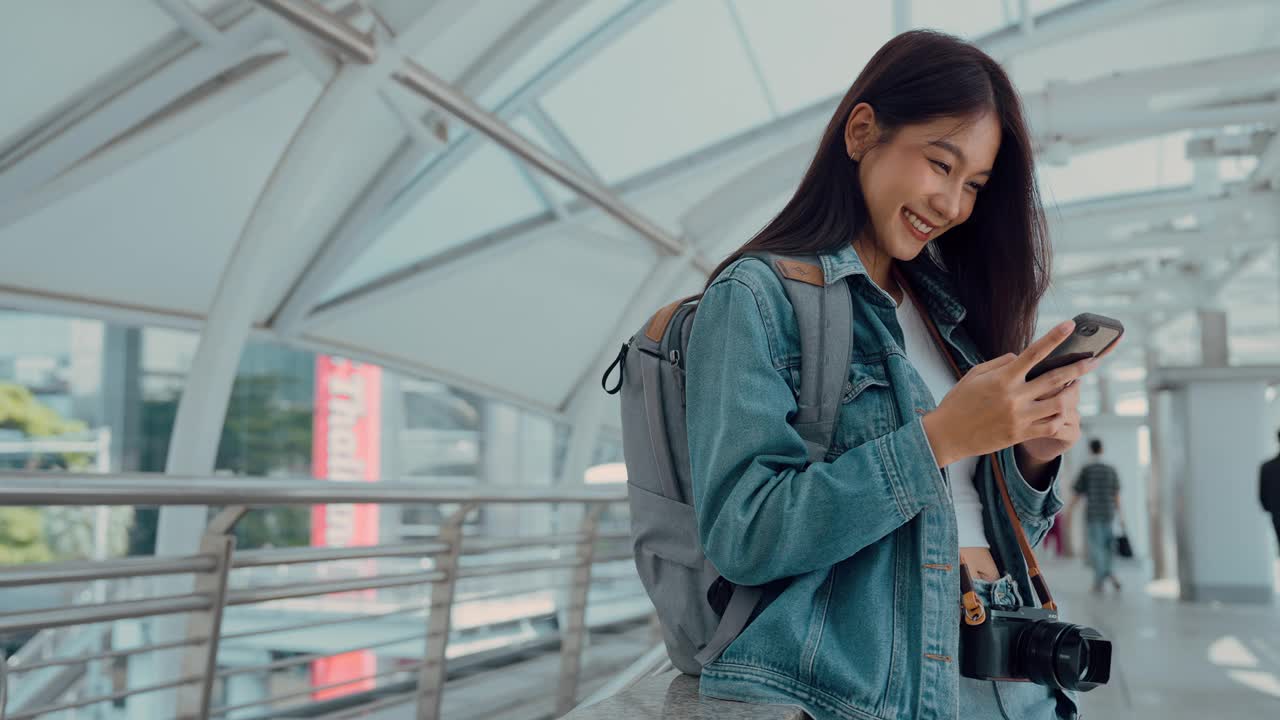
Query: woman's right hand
x=994 y=406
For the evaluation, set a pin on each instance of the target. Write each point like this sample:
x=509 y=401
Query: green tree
x=22 y=536
x=20 y=410
x=265 y=433
x=29 y=534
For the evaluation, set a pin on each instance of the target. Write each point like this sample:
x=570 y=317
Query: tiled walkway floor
x=1174 y=660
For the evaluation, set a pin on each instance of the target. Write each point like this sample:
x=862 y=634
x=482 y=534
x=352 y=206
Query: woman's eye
x=946 y=169
x=976 y=186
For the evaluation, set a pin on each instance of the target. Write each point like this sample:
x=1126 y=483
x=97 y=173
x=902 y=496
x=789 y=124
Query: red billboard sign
x=345 y=445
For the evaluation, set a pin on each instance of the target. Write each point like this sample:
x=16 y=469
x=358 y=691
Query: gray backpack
x=701 y=612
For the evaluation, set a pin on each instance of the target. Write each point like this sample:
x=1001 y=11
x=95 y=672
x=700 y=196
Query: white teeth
x=917 y=223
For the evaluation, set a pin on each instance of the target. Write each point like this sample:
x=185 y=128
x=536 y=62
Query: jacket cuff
x=900 y=451
x=1032 y=505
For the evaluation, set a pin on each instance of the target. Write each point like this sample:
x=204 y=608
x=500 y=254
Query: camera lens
x=1062 y=655
x=1088 y=330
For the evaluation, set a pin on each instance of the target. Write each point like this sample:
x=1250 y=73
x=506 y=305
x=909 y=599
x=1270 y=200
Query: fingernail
x=1065 y=326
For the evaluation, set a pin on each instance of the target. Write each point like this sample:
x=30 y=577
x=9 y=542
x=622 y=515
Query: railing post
x=431 y=676
x=4 y=683
x=573 y=633
x=202 y=658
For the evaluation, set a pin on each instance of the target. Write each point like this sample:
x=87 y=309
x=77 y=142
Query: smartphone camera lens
x=1088 y=330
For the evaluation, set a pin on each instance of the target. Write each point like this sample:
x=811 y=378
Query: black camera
x=1030 y=644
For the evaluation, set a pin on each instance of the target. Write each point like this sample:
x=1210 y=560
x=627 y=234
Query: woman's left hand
x=1065 y=429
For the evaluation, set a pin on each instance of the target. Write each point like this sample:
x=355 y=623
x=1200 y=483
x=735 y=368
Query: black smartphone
x=1092 y=336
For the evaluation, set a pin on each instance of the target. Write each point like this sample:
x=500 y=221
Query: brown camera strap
x=974 y=612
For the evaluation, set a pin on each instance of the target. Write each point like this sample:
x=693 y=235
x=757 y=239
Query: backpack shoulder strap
x=824 y=314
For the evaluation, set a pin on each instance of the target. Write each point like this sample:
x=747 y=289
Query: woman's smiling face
x=922 y=180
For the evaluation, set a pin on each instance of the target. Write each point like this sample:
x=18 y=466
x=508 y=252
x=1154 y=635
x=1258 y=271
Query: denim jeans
x=987 y=699
x=1101 y=544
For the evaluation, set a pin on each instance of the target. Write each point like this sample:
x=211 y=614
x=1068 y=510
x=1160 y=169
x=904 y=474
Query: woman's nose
x=947 y=204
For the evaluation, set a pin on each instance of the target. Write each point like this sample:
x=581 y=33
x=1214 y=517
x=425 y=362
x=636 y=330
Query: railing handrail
x=573 y=545
x=48 y=488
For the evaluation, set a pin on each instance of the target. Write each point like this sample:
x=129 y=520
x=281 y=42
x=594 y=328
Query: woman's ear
x=860 y=131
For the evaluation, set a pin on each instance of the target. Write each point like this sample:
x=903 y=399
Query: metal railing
x=440 y=562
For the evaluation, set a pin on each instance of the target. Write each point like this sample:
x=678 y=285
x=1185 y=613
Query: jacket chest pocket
x=866 y=407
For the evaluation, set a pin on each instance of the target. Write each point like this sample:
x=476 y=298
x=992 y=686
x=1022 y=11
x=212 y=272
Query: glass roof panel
x=73 y=45
x=676 y=82
x=559 y=193
x=1154 y=163
x=483 y=194
x=555 y=44
x=813 y=50
x=968 y=19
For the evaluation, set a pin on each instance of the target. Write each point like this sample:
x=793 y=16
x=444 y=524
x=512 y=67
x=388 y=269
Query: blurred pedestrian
x=1269 y=490
x=1099 y=486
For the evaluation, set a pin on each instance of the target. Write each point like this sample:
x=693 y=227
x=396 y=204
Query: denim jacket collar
x=936 y=288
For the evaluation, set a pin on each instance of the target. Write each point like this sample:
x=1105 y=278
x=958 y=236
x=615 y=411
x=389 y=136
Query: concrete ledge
x=675 y=695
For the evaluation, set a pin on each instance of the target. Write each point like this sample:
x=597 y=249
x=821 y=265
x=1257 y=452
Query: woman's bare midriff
x=982 y=566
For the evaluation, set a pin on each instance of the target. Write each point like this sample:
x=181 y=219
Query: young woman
x=922 y=197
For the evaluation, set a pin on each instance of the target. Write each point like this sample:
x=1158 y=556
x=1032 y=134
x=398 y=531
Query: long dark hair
x=998 y=260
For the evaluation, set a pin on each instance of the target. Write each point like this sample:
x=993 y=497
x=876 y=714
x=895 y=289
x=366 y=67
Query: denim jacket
x=859 y=552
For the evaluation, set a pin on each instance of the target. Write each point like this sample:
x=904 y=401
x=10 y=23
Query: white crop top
x=938 y=375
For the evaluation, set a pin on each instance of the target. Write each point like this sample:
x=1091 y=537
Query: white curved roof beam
x=265 y=245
